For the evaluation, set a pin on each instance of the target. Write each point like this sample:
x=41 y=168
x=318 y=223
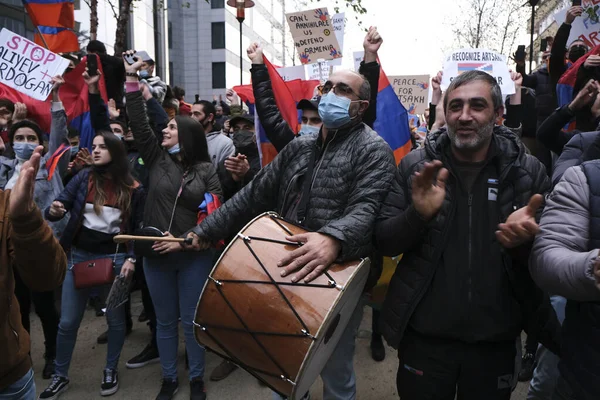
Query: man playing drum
x=332 y=184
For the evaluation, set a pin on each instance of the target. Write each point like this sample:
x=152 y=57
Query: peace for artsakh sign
x=464 y=60
x=413 y=92
x=314 y=35
x=587 y=26
x=27 y=67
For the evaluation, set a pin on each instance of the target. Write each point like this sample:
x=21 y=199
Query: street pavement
x=376 y=381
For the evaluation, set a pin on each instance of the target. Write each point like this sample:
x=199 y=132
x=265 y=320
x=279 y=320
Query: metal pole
x=241 y=59
x=531 y=49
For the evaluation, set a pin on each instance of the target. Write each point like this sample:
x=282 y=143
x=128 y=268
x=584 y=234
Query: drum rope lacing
x=305 y=332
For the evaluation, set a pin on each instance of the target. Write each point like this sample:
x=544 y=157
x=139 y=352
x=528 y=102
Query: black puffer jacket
x=354 y=171
x=422 y=243
x=166 y=177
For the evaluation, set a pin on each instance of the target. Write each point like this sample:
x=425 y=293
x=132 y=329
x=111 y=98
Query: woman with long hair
x=103 y=201
x=180 y=174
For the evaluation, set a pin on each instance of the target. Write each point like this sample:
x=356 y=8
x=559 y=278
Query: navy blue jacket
x=74 y=199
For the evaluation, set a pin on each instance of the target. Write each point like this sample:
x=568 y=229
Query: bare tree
x=93 y=5
x=490 y=24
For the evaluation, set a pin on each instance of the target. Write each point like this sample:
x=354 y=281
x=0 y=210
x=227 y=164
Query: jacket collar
x=506 y=155
x=339 y=134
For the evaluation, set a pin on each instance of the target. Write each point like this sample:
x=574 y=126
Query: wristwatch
x=132 y=260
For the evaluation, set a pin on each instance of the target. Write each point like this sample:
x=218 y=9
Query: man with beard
x=220 y=147
x=463 y=213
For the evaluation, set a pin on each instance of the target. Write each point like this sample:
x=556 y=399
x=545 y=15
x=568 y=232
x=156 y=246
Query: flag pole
x=37 y=28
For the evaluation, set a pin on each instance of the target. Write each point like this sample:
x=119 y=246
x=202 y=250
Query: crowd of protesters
x=495 y=212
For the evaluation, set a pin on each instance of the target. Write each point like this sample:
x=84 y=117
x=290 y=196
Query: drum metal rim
x=324 y=326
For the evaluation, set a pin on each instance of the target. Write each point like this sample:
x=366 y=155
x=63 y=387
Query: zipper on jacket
x=469 y=281
x=321 y=160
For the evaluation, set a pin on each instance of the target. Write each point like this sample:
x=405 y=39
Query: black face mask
x=244 y=141
x=576 y=52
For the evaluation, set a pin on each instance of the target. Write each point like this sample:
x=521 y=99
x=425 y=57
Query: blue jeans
x=73 y=306
x=23 y=389
x=546 y=372
x=339 y=380
x=175 y=282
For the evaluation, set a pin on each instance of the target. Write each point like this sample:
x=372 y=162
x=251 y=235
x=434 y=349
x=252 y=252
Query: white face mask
x=308 y=130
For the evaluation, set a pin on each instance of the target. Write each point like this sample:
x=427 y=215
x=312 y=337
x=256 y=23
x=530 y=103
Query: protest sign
x=358 y=57
x=313 y=35
x=586 y=27
x=318 y=71
x=339 y=26
x=413 y=92
x=27 y=67
x=292 y=73
x=464 y=60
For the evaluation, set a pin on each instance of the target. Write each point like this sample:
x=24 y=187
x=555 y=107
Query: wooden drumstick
x=126 y=238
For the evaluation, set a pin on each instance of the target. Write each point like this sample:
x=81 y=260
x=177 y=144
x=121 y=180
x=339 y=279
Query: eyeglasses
x=339 y=89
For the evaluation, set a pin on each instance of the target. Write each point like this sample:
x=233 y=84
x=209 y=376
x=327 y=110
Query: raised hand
x=573 y=13
x=436 y=87
x=255 y=54
x=113 y=111
x=136 y=66
x=521 y=226
x=592 y=61
x=20 y=112
x=517 y=78
x=372 y=42
x=585 y=95
x=92 y=81
x=21 y=198
x=429 y=190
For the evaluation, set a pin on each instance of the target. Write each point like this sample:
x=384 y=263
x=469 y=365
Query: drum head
x=143 y=248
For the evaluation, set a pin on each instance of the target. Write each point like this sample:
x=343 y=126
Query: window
x=218 y=75
x=218 y=35
x=217 y=4
x=170 y=34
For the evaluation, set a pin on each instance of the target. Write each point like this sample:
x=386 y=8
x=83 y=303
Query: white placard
x=464 y=60
x=312 y=71
x=586 y=27
x=339 y=26
x=27 y=67
x=292 y=73
x=359 y=56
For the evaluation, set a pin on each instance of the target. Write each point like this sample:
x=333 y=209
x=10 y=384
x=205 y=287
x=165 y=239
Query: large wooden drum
x=281 y=332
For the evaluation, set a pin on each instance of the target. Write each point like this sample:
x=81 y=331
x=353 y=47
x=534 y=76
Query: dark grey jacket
x=422 y=243
x=354 y=170
x=166 y=176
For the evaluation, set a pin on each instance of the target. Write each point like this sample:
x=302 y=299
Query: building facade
x=204 y=44
x=147 y=26
x=544 y=24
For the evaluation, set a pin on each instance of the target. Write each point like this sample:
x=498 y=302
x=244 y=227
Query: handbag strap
x=177 y=200
x=115 y=257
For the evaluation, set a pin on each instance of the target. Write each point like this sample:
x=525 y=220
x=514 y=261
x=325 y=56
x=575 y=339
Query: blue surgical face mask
x=335 y=110
x=24 y=151
x=308 y=130
x=174 y=150
x=74 y=150
x=144 y=74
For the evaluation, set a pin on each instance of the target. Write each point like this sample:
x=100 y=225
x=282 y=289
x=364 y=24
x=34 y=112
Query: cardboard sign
x=464 y=60
x=318 y=71
x=413 y=92
x=339 y=26
x=292 y=73
x=358 y=56
x=27 y=67
x=586 y=27
x=314 y=35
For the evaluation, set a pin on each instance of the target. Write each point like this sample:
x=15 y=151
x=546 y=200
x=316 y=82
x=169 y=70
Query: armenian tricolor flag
x=208 y=206
x=55 y=20
x=392 y=119
x=465 y=67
